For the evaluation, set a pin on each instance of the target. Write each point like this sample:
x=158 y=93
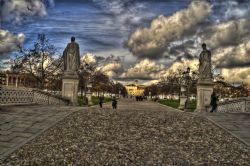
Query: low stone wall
x=10 y=96
x=233 y=106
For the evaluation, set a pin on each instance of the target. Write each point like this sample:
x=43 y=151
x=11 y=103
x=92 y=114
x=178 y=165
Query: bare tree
x=41 y=62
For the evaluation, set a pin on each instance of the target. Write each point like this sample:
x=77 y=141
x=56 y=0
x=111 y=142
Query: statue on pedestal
x=70 y=80
x=71 y=57
x=205 y=82
x=205 y=65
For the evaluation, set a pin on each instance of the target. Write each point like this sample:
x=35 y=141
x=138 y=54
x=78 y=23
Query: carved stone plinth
x=204 y=91
x=70 y=87
x=89 y=97
x=183 y=100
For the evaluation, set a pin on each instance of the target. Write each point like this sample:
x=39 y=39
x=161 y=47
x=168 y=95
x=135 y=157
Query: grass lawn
x=95 y=100
x=175 y=104
x=170 y=103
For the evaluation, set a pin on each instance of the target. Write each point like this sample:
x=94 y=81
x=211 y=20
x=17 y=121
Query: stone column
x=7 y=80
x=204 y=91
x=70 y=87
x=183 y=97
x=16 y=81
x=89 y=97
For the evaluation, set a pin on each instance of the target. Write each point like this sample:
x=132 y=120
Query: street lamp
x=119 y=93
x=88 y=92
x=185 y=85
x=86 y=69
x=187 y=80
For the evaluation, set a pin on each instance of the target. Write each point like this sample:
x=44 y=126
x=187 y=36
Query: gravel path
x=138 y=133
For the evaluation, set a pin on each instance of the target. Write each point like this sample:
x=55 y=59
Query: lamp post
x=187 y=82
x=86 y=69
x=81 y=73
x=88 y=91
x=119 y=93
x=184 y=94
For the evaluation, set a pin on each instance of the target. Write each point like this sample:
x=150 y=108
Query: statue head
x=73 y=39
x=204 y=46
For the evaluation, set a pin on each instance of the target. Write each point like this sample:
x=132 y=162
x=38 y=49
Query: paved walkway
x=19 y=124
x=137 y=133
x=238 y=124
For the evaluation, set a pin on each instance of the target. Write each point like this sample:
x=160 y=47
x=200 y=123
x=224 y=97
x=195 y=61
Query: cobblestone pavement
x=236 y=123
x=19 y=124
x=138 y=133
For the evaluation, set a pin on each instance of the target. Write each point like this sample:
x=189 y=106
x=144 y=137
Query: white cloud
x=112 y=69
x=145 y=70
x=111 y=66
x=237 y=75
x=9 y=42
x=152 y=42
x=16 y=11
x=233 y=56
x=88 y=58
x=227 y=33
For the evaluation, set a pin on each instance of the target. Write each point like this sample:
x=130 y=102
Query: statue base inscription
x=204 y=91
x=70 y=88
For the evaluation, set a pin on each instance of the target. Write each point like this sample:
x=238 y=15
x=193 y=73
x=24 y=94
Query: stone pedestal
x=70 y=87
x=204 y=91
x=89 y=97
x=183 y=100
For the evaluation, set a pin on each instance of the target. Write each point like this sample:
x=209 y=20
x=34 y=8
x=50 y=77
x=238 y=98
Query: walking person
x=213 y=103
x=114 y=103
x=101 y=101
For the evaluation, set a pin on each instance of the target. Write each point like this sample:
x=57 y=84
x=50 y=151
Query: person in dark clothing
x=101 y=101
x=213 y=103
x=114 y=103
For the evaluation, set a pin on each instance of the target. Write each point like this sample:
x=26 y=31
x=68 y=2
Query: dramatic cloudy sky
x=136 y=39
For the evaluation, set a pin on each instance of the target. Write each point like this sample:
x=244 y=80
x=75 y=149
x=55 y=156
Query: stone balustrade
x=233 y=106
x=13 y=96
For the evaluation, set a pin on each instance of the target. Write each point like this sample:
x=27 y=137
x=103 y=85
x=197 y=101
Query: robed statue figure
x=205 y=66
x=71 y=57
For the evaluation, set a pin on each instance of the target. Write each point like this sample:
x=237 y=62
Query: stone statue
x=71 y=56
x=205 y=66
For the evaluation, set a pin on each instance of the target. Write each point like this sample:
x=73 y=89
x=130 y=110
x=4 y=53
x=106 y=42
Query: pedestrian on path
x=101 y=98
x=213 y=103
x=114 y=103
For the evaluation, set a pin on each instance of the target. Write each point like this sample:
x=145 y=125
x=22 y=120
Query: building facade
x=134 y=89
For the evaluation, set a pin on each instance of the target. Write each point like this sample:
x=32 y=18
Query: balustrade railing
x=10 y=95
x=233 y=106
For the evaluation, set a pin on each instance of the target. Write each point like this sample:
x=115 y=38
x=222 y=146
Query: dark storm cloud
x=152 y=42
x=233 y=56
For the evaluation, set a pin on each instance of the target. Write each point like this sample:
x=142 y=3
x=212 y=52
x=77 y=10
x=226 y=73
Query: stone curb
x=173 y=108
x=218 y=125
x=7 y=153
x=3 y=156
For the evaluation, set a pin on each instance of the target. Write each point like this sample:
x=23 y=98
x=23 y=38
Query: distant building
x=16 y=80
x=2 y=79
x=134 y=89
